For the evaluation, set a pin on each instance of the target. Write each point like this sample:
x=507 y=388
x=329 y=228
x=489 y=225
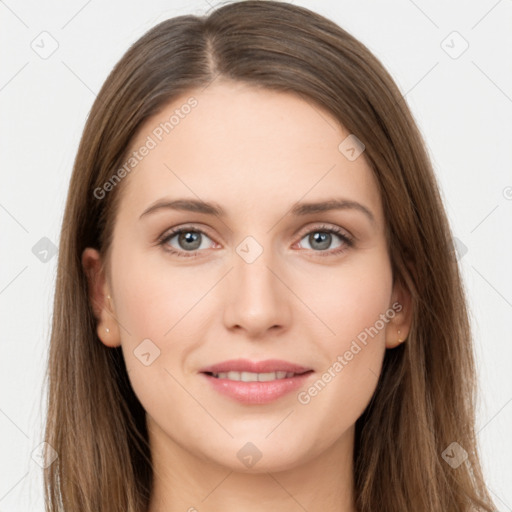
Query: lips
x=256 y=382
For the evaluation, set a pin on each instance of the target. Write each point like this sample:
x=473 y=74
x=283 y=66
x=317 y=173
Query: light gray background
x=463 y=106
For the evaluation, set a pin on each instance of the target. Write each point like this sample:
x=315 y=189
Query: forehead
x=249 y=149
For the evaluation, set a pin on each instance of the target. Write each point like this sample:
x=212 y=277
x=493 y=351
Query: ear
x=107 y=327
x=399 y=326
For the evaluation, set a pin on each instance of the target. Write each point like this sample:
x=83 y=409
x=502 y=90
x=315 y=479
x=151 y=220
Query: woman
x=258 y=304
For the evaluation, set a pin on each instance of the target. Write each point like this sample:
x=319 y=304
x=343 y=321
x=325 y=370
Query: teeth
x=253 y=377
x=248 y=377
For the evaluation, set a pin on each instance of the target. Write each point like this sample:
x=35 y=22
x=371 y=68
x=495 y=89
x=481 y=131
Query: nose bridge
x=255 y=299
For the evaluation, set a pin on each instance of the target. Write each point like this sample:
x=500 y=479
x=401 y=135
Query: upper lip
x=245 y=365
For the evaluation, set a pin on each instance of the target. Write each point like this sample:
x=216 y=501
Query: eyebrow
x=298 y=209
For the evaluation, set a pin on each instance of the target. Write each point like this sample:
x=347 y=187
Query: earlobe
x=99 y=295
x=109 y=336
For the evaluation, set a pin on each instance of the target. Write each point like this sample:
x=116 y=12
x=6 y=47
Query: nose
x=257 y=299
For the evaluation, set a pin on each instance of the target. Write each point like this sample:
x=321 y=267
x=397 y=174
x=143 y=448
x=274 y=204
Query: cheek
x=155 y=299
x=352 y=298
x=159 y=309
x=355 y=307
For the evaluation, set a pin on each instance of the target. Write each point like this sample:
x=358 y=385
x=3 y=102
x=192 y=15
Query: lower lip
x=257 y=392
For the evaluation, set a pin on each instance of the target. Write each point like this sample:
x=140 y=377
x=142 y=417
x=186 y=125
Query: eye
x=321 y=238
x=188 y=240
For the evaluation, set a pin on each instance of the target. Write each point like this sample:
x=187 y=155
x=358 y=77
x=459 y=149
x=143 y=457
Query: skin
x=256 y=153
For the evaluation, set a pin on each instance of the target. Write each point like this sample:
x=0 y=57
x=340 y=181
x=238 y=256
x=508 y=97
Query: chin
x=259 y=455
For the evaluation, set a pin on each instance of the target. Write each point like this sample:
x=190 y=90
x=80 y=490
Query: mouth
x=259 y=382
x=255 y=377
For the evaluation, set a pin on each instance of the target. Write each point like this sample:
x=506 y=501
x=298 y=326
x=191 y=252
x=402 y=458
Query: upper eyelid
x=176 y=230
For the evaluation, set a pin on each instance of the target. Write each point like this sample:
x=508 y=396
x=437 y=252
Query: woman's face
x=266 y=279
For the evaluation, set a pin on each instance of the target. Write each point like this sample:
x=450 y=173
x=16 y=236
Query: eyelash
x=347 y=240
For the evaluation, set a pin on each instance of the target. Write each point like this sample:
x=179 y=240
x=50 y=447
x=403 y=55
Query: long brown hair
x=425 y=396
